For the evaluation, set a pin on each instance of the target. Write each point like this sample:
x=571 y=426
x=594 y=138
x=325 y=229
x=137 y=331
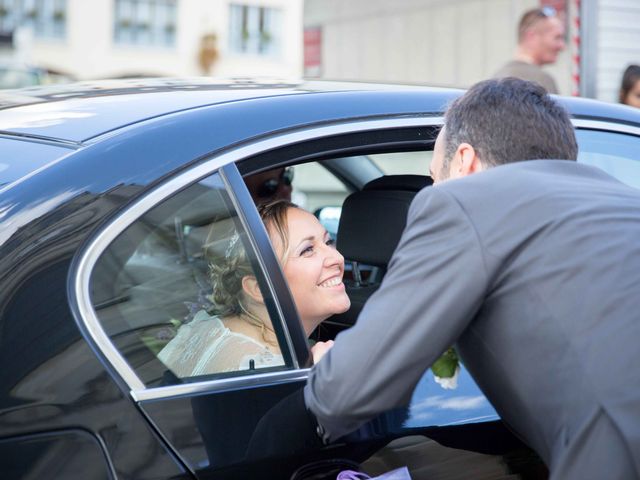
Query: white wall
x=89 y=52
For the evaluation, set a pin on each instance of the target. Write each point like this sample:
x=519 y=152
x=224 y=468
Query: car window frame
x=257 y=236
x=607 y=125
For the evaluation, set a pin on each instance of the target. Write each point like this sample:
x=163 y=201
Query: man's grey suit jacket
x=533 y=270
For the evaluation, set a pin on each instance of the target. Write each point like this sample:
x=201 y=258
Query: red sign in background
x=313 y=51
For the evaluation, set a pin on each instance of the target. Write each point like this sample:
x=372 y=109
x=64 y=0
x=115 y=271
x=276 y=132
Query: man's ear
x=251 y=288
x=469 y=162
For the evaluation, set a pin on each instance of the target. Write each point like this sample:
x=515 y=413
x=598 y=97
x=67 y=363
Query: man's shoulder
x=513 y=194
x=517 y=68
x=527 y=71
x=518 y=178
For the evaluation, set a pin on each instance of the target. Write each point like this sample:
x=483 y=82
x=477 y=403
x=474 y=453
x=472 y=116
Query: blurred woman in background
x=630 y=86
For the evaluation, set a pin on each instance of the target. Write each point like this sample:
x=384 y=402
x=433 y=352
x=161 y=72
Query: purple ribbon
x=352 y=475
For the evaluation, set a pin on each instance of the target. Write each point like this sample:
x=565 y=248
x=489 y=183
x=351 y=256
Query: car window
x=170 y=292
x=315 y=187
x=318 y=187
x=615 y=153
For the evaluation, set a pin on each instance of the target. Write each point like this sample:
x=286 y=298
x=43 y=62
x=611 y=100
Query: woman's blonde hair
x=226 y=273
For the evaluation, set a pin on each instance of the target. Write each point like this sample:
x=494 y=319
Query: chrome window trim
x=105 y=237
x=605 y=126
x=172 y=391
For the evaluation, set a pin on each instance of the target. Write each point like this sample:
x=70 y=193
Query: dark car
x=113 y=198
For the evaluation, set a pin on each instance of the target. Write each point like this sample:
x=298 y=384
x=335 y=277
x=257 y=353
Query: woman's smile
x=332 y=282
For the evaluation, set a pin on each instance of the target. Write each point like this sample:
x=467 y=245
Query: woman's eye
x=306 y=251
x=331 y=242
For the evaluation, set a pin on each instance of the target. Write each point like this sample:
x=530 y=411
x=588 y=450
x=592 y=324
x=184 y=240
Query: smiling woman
x=234 y=332
x=313 y=268
x=182 y=294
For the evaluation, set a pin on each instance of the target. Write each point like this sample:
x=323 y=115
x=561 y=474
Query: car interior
x=371 y=223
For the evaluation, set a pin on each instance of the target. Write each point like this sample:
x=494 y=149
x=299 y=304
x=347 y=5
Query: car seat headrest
x=410 y=183
x=373 y=219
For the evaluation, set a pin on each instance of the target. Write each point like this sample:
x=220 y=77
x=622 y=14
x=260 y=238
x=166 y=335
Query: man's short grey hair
x=509 y=120
x=533 y=17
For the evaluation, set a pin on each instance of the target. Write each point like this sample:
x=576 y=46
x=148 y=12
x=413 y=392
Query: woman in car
x=236 y=333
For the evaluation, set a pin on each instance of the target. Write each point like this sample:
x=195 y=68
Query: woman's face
x=313 y=268
x=633 y=96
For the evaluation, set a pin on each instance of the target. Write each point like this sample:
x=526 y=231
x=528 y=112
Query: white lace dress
x=205 y=346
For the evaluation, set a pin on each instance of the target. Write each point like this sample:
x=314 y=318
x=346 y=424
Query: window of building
x=45 y=18
x=254 y=30
x=145 y=22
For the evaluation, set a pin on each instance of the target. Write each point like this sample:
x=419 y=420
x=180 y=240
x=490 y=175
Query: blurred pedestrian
x=208 y=54
x=540 y=40
x=630 y=86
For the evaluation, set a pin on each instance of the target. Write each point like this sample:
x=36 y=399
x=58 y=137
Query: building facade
x=459 y=42
x=437 y=42
x=119 y=38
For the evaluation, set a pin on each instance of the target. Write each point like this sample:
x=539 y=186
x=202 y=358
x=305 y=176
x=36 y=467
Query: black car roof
x=55 y=119
x=595 y=109
x=76 y=112
x=80 y=111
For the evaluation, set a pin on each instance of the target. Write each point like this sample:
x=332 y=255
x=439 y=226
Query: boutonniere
x=446 y=369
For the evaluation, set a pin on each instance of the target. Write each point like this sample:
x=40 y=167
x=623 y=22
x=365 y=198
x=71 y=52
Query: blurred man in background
x=540 y=40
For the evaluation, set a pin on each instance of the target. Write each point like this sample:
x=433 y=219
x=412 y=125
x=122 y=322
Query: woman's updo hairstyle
x=227 y=272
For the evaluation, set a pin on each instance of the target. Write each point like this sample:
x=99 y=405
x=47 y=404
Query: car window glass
x=170 y=293
x=615 y=153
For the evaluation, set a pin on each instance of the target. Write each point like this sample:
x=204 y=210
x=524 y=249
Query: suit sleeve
x=433 y=288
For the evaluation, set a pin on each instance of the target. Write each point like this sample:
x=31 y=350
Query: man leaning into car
x=528 y=262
